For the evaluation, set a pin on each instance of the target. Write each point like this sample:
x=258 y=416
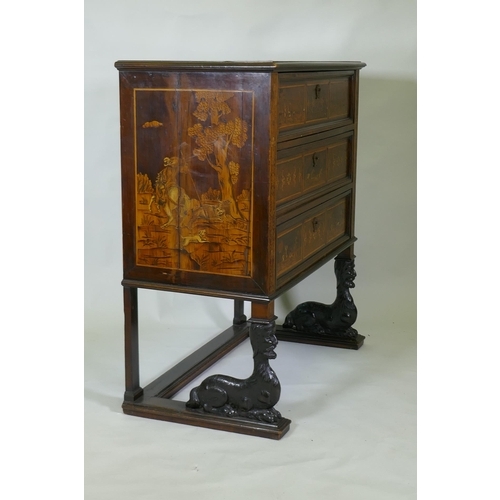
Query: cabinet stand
x=221 y=402
x=155 y=400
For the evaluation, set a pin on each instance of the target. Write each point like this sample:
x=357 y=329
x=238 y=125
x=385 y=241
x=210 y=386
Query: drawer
x=304 y=236
x=310 y=166
x=308 y=100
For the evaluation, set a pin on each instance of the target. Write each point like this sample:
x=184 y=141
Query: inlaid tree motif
x=215 y=139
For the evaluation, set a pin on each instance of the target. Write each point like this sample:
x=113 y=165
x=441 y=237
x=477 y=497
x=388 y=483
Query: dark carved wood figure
x=336 y=318
x=253 y=397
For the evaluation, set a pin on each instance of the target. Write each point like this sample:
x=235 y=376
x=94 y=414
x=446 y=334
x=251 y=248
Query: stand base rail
x=156 y=400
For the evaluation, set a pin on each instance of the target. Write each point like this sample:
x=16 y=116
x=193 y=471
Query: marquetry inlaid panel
x=313 y=166
x=306 y=234
x=194 y=180
x=318 y=100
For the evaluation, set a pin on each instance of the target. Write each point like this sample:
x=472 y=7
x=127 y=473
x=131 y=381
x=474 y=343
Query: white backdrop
x=353 y=413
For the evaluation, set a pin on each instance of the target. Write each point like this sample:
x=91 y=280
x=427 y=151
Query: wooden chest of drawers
x=238 y=179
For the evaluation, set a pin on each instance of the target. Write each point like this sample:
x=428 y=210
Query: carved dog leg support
x=314 y=322
x=253 y=397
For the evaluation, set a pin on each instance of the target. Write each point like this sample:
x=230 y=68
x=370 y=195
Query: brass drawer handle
x=315 y=223
x=317 y=91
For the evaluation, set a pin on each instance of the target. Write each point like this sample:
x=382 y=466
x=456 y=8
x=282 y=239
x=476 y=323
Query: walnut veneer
x=238 y=180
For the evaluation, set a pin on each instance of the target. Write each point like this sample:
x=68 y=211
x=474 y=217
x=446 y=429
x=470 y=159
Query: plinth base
x=176 y=411
x=290 y=335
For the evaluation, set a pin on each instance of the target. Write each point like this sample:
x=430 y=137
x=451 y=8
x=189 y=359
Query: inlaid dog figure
x=336 y=318
x=253 y=397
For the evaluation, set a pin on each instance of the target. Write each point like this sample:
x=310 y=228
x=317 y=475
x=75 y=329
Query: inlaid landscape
x=194 y=181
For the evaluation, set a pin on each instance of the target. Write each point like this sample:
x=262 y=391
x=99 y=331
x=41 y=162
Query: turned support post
x=239 y=312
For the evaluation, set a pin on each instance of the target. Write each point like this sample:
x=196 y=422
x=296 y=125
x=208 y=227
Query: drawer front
x=314 y=100
x=303 y=169
x=301 y=238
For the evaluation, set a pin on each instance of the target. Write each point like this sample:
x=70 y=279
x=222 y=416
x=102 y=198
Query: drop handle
x=317 y=91
x=315 y=159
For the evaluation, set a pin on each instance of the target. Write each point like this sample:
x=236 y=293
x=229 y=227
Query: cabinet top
x=264 y=66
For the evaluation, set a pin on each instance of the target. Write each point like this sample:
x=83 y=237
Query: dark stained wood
x=284 y=284
x=282 y=66
x=331 y=321
x=156 y=400
x=252 y=398
x=239 y=312
x=285 y=335
x=308 y=266
x=172 y=381
x=238 y=181
x=192 y=290
x=304 y=233
x=354 y=151
x=133 y=389
x=175 y=411
x=315 y=101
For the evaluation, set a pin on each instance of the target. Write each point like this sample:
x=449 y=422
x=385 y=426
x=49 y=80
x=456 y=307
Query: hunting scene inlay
x=194 y=180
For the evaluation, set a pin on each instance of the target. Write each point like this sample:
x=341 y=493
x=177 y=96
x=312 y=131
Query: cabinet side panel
x=197 y=179
x=127 y=166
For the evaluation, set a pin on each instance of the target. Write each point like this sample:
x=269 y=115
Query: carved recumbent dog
x=335 y=318
x=253 y=397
